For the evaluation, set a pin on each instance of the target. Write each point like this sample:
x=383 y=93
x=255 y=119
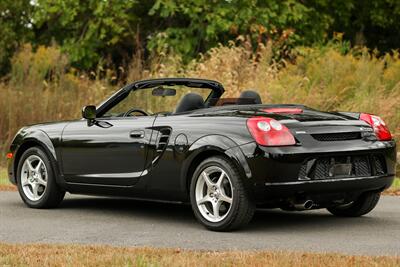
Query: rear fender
x=212 y=145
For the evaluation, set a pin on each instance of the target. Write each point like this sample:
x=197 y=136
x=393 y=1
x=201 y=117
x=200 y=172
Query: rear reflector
x=9 y=155
x=270 y=132
x=381 y=130
x=284 y=110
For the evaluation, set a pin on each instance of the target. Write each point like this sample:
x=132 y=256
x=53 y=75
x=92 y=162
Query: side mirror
x=89 y=112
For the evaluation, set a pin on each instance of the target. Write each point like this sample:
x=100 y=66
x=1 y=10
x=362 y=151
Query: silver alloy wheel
x=214 y=194
x=34 y=178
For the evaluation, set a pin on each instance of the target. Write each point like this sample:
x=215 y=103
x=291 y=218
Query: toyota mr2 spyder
x=179 y=140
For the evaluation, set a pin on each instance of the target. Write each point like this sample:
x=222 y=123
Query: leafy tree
x=90 y=30
x=193 y=26
x=94 y=31
x=15 y=27
x=374 y=23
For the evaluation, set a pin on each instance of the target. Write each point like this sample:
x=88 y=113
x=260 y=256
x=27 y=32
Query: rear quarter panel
x=168 y=176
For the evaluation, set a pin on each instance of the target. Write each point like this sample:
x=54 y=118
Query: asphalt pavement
x=126 y=222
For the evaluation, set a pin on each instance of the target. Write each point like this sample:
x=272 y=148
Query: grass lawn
x=80 y=255
x=396 y=184
x=395 y=188
x=3 y=176
x=4 y=182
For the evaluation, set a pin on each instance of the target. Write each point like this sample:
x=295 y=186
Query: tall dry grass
x=39 y=89
x=320 y=78
x=42 y=86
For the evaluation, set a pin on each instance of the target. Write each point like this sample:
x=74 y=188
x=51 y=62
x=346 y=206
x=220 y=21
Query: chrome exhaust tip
x=306 y=205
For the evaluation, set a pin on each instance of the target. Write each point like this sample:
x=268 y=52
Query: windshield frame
x=216 y=90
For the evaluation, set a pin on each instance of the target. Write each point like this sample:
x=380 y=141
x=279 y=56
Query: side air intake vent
x=162 y=140
x=161 y=143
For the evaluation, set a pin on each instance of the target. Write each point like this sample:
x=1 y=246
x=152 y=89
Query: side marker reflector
x=9 y=155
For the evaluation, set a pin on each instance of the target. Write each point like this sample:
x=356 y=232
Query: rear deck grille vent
x=326 y=137
x=362 y=166
x=379 y=163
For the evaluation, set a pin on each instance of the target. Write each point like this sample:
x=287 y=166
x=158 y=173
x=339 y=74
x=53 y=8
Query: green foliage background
x=111 y=32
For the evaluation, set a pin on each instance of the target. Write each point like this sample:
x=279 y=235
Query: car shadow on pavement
x=126 y=208
x=308 y=220
x=182 y=215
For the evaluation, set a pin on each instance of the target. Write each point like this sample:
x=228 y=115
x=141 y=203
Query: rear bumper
x=327 y=186
x=278 y=172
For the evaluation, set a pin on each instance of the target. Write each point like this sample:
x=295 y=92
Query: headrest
x=190 y=101
x=249 y=97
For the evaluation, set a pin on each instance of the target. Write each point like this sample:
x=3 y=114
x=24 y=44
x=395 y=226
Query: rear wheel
x=36 y=180
x=218 y=197
x=363 y=205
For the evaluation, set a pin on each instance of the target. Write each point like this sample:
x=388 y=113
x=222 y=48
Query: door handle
x=137 y=134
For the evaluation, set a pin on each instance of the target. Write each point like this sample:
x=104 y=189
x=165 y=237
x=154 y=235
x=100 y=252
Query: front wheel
x=218 y=197
x=361 y=206
x=36 y=180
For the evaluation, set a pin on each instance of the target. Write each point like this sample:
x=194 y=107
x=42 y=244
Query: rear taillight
x=270 y=132
x=381 y=130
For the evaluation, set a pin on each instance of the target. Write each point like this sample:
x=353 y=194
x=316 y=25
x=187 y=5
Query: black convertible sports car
x=178 y=140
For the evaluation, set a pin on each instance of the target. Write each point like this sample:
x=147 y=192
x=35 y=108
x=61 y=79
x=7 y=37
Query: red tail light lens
x=284 y=110
x=381 y=130
x=9 y=155
x=270 y=132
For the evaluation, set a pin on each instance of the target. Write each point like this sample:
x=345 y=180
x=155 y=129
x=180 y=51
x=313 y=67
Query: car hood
x=50 y=128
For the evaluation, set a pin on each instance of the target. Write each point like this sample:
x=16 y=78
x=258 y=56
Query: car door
x=108 y=151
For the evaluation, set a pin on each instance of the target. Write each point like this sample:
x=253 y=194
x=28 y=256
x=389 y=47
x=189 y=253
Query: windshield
x=151 y=101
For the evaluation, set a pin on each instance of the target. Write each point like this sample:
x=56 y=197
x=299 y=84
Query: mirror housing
x=162 y=91
x=89 y=112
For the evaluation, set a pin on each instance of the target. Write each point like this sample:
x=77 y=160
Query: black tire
x=363 y=205
x=53 y=194
x=242 y=207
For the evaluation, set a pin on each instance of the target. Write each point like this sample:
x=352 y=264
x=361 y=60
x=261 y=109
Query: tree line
x=94 y=32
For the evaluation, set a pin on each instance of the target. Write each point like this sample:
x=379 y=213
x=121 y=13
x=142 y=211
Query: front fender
x=24 y=139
